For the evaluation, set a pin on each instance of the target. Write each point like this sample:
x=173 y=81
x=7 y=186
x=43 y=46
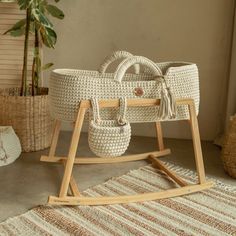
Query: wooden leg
x=196 y=143
x=72 y=152
x=55 y=136
x=159 y=136
x=52 y=151
x=73 y=185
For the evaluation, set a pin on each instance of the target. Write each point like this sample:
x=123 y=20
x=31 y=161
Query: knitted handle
x=127 y=63
x=122 y=112
x=121 y=115
x=115 y=56
x=95 y=109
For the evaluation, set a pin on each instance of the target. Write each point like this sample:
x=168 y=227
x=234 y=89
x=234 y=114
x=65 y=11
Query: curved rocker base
x=92 y=201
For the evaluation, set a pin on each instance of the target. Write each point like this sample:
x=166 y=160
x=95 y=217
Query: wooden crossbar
x=106 y=160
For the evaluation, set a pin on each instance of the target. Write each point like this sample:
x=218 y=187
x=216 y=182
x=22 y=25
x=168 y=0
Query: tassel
x=167 y=108
x=173 y=106
x=164 y=107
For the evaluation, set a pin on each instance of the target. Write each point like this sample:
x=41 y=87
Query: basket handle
x=122 y=111
x=121 y=115
x=115 y=56
x=167 y=108
x=95 y=109
x=128 y=62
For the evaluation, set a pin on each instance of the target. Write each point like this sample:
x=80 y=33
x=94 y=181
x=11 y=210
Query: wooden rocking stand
x=70 y=160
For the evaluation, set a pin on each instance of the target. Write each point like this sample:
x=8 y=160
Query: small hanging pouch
x=109 y=138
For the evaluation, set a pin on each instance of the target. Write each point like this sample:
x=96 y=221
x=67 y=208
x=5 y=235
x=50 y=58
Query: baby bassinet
x=68 y=87
x=71 y=92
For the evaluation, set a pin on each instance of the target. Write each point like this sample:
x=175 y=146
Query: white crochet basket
x=109 y=138
x=68 y=87
x=10 y=147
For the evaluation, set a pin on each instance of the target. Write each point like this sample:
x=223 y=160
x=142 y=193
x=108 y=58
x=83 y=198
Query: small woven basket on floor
x=229 y=148
x=29 y=116
x=10 y=148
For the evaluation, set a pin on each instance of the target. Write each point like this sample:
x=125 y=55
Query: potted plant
x=26 y=108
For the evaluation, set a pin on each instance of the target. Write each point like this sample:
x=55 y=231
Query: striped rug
x=211 y=212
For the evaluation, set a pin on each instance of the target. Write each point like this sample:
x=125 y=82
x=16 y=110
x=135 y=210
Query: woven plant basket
x=29 y=116
x=229 y=148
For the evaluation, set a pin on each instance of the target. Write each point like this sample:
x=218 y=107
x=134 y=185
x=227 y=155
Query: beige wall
x=189 y=30
x=231 y=103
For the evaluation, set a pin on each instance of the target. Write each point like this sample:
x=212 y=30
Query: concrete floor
x=28 y=182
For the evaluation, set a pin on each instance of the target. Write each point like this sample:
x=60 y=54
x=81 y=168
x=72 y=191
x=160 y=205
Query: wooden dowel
x=196 y=143
x=131 y=102
x=159 y=136
x=104 y=160
x=56 y=132
x=159 y=164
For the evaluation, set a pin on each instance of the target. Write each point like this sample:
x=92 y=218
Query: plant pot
x=29 y=116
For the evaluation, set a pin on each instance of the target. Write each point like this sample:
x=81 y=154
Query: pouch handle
x=120 y=116
x=95 y=109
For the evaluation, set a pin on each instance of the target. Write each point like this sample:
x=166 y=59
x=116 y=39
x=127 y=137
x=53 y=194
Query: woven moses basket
x=109 y=138
x=68 y=87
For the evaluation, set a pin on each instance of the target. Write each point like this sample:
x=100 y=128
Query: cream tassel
x=173 y=106
x=167 y=108
x=164 y=107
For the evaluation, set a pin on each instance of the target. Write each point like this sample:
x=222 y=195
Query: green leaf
x=41 y=18
x=24 y=4
x=49 y=37
x=47 y=66
x=55 y=11
x=18 y=26
x=17 y=33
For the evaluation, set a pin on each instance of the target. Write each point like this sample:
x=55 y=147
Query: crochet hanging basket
x=109 y=138
x=29 y=116
x=68 y=87
x=229 y=148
